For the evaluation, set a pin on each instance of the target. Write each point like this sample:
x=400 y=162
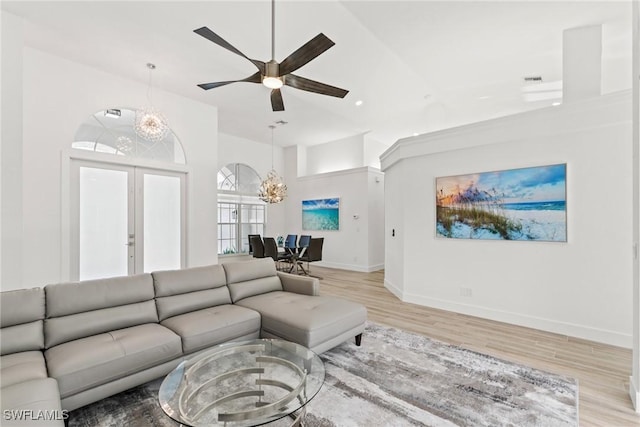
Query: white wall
x=233 y=149
x=11 y=150
x=634 y=380
x=58 y=95
x=359 y=243
x=376 y=237
x=373 y=149
x=580 y=288
x=343 y=154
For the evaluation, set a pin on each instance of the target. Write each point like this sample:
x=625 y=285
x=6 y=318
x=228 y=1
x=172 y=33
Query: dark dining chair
x=291 y=242
x=290 y=251
x=249 y=237
x=303 y=244
x=271 y=249
x=257 y=246
x=312 y=254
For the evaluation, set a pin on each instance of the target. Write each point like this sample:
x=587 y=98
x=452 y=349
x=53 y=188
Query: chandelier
x=150 y=124
x=272 y=189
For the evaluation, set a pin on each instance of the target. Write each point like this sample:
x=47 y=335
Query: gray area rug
x=395 y=379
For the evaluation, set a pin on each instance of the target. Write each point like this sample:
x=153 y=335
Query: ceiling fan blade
x=277 y=104
x=313 y=86
x=306 y=53
x=254 y=78
x=210 y=35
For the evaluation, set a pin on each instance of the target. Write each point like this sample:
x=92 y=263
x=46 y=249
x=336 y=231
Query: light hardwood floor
x=602 y=370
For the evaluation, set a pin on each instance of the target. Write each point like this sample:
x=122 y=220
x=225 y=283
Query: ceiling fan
x=275 y=74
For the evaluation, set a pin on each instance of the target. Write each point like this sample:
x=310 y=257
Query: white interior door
x=160 y=226
x=125 y=220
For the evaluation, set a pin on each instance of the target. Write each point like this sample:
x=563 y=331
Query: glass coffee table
x=246 y=383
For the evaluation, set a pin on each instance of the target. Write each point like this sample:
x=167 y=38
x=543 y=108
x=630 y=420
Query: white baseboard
x=393 y=289
x=554 y=326
x=351 y=267
x=635 y=394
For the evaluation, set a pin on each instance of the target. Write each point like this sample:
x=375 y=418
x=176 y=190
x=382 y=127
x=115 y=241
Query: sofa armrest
x=299 y=284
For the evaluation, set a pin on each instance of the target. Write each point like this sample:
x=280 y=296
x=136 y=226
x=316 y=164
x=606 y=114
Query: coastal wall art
x=321 y=214
x=514 y=204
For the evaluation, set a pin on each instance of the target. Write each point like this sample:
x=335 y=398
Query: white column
x=634 y=383
x=11 y=151
x=581 y=63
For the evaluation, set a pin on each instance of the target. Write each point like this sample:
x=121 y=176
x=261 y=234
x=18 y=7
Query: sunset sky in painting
x=537 y=184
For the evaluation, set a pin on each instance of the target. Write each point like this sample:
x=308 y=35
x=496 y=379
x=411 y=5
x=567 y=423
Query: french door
x=125 y=220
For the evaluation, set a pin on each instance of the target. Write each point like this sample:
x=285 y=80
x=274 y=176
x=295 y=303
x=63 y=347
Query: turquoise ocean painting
x=321 y=214
x=514 y=204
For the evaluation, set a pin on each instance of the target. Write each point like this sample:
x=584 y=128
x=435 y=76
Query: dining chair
x=271 y=249
x=291 y=241
x=303 y=243
x=250 y=245
x=290 y=251
x=312 y=254
x=257 y=246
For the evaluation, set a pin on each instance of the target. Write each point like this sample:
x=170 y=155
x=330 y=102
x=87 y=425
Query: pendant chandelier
x=150 y=124
x=272 y=189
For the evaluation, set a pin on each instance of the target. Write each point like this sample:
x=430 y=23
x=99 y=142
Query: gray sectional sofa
x=71 y=344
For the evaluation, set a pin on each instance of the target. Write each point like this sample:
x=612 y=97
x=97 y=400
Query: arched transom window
x=240 y=212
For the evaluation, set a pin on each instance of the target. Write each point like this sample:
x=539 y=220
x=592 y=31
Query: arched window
x=240 y=211
x=113 y=131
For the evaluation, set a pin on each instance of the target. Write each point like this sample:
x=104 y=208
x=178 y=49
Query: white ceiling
x=417 y=66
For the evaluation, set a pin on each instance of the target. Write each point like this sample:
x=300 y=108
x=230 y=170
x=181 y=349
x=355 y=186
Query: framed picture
x=514 y=204
x=321 y=214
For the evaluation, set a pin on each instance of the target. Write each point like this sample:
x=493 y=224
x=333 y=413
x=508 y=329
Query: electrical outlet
x=465 y=292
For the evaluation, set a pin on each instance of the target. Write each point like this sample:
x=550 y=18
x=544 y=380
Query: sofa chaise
x=71 y=344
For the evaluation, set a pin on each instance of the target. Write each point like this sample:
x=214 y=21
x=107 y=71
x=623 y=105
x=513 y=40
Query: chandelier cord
x=149 y=88
x=272 y=128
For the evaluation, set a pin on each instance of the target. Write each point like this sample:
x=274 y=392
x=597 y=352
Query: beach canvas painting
x=515 y=204
x=321 y=214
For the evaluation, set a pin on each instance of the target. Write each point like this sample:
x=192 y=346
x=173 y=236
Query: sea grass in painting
x=515 y=204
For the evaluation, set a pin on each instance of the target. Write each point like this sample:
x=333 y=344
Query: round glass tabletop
x=246 y=383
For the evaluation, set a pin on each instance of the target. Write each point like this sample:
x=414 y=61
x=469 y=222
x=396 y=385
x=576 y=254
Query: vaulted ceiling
x=417 y=66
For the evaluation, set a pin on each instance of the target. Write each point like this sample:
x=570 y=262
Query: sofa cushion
x=249 y=270
x=68 y=328
x=215 y=325
x=64 y=299
x=24 y=337
x=306 y=320
x=89 y=362
x=174 y=282
x=21 y=314
x=190 y=289
x=39 y=401
x=81 y=309
x=20 y=367
x=249 y=278
x=21 y=306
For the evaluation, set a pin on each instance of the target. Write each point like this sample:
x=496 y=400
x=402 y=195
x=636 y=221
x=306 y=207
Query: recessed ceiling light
x=359 y=102
x=555 y=104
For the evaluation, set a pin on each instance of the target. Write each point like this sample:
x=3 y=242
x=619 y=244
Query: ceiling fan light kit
x=274 y=74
